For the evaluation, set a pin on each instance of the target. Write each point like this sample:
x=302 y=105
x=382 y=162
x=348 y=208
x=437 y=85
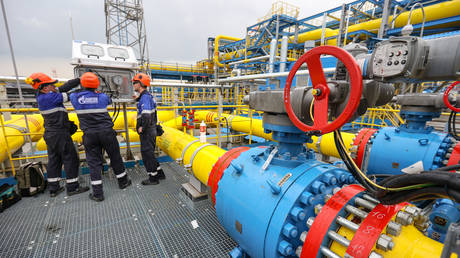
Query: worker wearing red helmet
x=58 y=131
x=146 y=126
x=98 y=134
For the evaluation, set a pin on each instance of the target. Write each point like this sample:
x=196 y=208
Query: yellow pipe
x=432 y=12
x=174 y=123
x=237 y=123
x=14 y=127
x=119 y=124
x=315 y=35
x=327 y=144
x=173 y=142
x=411 y=243
x=216 y=48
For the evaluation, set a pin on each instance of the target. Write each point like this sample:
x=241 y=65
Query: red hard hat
x=143 y=78
x=89 y=80
x=37 y=79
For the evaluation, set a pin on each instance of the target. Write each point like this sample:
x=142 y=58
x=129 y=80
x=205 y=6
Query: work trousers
x=61 y=151
x=95 y=143
x=148 y=140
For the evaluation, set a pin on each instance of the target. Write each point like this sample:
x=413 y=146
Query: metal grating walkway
x=140 y=221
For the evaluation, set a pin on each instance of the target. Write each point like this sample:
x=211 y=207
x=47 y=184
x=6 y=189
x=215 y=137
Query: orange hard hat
x=89 y=80
x=143 y=78
x=38 y=79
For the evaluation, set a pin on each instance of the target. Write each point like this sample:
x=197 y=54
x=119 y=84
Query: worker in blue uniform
x=98 y=134
x=58 y=131
x=146 y=126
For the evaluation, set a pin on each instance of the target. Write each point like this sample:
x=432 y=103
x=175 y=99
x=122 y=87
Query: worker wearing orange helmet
x=146 y=126
x=98 y=134
x=58 y=131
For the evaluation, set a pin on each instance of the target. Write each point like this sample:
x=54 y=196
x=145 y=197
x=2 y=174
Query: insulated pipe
x=250 y=60
x=186 y=85
x=269 y=75
x=283 y=54
x=273 y=50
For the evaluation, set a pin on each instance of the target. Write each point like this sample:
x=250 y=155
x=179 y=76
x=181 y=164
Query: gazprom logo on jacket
x=87 y=100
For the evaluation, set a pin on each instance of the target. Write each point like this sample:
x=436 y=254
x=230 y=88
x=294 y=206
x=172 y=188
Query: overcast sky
x=177 y=30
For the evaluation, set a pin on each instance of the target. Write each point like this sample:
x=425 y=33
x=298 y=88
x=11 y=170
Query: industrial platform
x=140 y=221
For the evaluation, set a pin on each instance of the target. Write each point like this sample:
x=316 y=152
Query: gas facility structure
x=332 y=135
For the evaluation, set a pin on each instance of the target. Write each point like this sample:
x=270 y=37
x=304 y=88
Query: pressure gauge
x=117 y=80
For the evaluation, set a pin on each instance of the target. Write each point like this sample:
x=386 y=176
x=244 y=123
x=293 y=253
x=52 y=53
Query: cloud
x=33 y=23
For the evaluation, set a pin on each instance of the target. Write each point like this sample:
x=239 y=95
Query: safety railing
x=171 y=95
x=379 y=117
x=176 y=67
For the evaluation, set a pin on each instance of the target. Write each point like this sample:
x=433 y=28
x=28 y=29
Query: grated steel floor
x=140 y=221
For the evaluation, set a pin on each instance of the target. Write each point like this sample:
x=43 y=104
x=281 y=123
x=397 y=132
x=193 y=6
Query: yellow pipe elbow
x=216 y=47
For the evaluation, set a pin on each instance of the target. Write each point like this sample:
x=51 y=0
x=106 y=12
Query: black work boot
x=80 y=189
x=96 y=198
x=124 y=182
x=161 y=174
x=152 y=180
x=56 y=192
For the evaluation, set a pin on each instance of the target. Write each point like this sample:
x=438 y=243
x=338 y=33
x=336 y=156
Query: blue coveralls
x=147 y=119
x=98 y=134
x=57 y=137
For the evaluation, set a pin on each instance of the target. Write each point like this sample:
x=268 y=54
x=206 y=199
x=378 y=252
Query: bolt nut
x=315 y=92
x=394 y=228
x=318 y=208
x=375 y=255
x=404 y=218
x=336 y=190
x=384 y=243
x=310 y=222
x=412 y=210
x=303 y=236
x=327 y=197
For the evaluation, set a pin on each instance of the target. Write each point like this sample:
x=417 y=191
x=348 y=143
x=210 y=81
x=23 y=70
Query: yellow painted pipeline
x=119 y=124
x=17 y=127
x=173 y=142
x=327 y=145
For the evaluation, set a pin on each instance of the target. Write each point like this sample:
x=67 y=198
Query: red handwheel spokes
x=446 y=97
x=312 y=59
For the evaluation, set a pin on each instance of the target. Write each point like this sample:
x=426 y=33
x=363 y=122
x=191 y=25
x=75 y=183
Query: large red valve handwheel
x=312 y=59
x=446 y=97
